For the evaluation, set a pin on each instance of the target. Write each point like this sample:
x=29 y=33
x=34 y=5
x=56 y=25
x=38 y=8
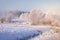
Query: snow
x=20 y=32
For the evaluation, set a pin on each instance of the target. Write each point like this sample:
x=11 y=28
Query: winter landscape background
x=29 y=19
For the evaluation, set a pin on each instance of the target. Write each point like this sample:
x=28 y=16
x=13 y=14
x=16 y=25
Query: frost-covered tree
x=6 y=17
x=9 y=16
x=52 y=18
x=24 y=17
x=56 y=17
x=35 y=16
x=48 y=18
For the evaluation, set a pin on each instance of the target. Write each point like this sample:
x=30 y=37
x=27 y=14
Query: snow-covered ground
x=13 y=31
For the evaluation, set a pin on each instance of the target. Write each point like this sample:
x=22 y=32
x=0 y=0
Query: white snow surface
x=20 y=32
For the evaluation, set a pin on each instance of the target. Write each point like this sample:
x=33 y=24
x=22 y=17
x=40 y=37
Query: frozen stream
x=20 y=32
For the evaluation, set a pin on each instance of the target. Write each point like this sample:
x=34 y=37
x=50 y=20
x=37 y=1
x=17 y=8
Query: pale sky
x=29 y=4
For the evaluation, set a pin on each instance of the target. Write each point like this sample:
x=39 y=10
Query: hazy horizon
x=29 y=4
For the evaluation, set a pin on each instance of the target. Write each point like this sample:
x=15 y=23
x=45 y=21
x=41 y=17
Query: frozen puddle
x=19 y=33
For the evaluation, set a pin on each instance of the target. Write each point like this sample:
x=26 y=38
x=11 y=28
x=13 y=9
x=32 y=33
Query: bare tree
x=2 y=19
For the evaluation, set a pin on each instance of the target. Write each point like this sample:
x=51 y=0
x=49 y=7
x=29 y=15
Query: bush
x=53 y=34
